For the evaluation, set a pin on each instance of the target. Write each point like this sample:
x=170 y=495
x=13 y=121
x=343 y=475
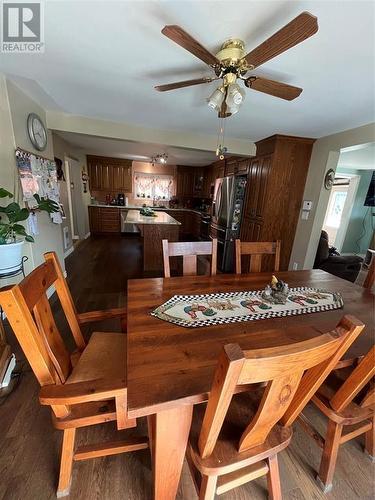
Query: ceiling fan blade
x=179 y=36
x=302 y=27
x=271 y=87
x=185 y=83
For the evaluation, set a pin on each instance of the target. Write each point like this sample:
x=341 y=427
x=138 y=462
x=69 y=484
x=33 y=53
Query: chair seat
x=353 y=413
x=225 y=457
x=103 y=358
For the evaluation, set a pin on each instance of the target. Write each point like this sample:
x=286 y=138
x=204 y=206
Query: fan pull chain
x=221 y=149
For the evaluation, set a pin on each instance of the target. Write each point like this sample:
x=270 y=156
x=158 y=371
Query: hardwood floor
x=29 y=446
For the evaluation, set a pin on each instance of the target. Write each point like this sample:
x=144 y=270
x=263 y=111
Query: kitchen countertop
x=134 y=217
x=137 y=207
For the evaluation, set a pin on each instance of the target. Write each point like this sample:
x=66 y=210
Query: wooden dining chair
x=189 y=250
x=370 y=276
x=336 y=399
x=256 y=250
x=237 y=437
x=85 y=388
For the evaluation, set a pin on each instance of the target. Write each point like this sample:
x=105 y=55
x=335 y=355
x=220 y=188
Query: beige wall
x=325 y=155
x=63 y=150
x=15 y=107
x=7 y=143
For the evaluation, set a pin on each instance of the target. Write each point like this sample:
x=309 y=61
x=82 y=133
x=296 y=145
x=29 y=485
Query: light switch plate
x=307 y=205
x=305 y=214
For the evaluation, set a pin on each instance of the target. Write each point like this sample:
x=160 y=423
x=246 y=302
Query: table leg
x=171 y=431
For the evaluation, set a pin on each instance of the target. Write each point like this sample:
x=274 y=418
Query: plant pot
x=10 y=257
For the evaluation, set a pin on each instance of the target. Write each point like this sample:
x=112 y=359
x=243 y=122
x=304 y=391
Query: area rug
x=223 y=308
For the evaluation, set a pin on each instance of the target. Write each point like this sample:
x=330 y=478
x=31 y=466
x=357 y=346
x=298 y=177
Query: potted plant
x=12 y=233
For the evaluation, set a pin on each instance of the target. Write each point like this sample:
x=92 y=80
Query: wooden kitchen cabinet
x=112 y=175
x=257 y=187
x=196 y=224
x=230 y=166
x=218 y=169
x=185 y=181
x=209 y=181
x=276 y=181
x=122 y=178
x=104 y=220
x=243 y=166
x=94 y=220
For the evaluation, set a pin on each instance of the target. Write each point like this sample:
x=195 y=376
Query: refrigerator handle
x=218 y=200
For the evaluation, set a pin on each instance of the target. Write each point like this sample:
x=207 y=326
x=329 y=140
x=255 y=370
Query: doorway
x=70 y=179
x=340 y=205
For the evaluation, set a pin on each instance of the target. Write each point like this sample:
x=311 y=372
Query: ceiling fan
x=232 y=63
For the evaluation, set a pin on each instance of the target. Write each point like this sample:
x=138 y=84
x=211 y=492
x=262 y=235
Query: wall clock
x=37 y=132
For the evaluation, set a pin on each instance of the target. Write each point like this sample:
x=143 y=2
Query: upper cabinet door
x=106 y=177
x=121 y=178
x=257 y=186
x=112 y=175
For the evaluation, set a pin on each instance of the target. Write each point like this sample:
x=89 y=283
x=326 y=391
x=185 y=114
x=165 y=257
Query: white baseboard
x=87 y=235
x=68 y=252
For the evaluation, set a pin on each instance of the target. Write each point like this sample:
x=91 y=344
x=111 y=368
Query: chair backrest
x=284 y=370
x=189 y=250
x=256 y=250
x=30 y=316
x=356 y=381
x=370 y=277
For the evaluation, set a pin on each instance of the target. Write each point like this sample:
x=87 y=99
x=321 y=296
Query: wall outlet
x=295 y=266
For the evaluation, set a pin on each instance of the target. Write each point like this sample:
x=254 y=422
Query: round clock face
x=37 y=132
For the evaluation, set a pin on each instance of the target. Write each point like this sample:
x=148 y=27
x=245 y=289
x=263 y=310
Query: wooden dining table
x=170 y=367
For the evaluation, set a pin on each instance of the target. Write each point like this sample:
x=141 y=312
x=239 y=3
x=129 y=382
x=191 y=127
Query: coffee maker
x=121 y=199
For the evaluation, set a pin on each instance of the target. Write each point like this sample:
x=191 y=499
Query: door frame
x=348 y=207
x=72 y=208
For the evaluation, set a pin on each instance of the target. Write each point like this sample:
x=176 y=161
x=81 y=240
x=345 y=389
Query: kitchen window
x=153 y=186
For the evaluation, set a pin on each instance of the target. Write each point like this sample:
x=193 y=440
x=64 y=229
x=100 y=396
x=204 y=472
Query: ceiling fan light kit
x=231 y=64
x=216 y=98
x=235 y=95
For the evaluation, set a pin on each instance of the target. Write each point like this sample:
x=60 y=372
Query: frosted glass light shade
x=216 y=99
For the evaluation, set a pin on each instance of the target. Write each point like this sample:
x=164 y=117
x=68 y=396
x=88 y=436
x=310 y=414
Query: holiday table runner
x=233 y=307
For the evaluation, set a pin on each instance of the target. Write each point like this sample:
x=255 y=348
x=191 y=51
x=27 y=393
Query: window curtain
x=153 y=186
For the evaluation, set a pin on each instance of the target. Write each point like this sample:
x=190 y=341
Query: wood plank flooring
x=30 y=447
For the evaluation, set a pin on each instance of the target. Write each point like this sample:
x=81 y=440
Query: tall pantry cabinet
x=276 y=181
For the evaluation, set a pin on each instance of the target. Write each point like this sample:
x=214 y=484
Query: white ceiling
x=358 y=157
x=139 y=151
x=102 y=60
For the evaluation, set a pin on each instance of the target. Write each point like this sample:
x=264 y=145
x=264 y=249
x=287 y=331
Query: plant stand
x=5 y=273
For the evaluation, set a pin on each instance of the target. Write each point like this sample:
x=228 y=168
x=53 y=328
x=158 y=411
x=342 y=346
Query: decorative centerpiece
x=147 y=212
x=276 y=292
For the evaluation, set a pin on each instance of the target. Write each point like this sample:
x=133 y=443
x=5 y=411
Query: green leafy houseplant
x=10 y=227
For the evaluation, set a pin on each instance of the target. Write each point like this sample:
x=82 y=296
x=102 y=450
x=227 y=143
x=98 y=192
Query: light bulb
x=216 y=98
x=235 y=95
x=232 y=109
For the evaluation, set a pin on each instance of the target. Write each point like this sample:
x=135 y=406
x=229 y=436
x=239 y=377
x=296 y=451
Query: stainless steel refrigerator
x=229 y=194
